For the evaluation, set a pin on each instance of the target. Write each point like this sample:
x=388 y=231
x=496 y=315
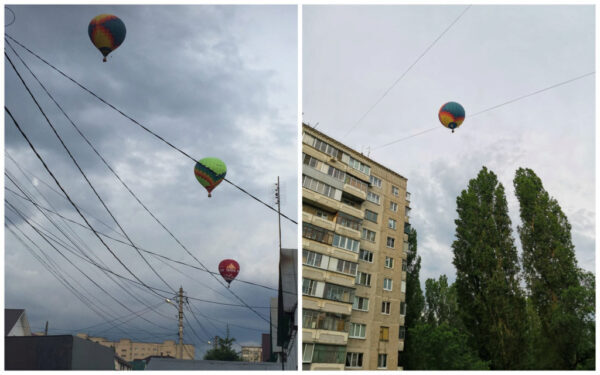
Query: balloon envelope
x=107 y=32
x=210 y=172
x=451 y=115
x=229 y=269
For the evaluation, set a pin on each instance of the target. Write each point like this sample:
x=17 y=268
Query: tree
x=440 y=342
x=562 y=295
x=223 y=350
x=491 y=303
x=414 y=298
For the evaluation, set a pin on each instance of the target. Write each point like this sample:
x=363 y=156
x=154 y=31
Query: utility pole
x=46 y=329
x=180 y=346
x=278 y=200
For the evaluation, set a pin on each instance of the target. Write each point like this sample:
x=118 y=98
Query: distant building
x=131 y=350
x=62 y=352
x=252 y=354
x=16 y=323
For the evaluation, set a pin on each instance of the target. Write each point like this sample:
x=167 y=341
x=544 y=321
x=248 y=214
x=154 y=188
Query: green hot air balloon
x=210 y=172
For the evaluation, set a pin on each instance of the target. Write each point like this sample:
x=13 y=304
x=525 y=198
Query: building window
x=310 y=161
x=348 y=221
x=382 y=361
x=394 y=207
x=389 y=262
x=316 y=233
x=407 y=228
x=407 y=212
x=310 y=258
x=322 y=215
x=326 y=148
x=365 y=255
x=309 y=287
x=368 y=235
x=384 y=333
x=401 y=333
x=318 y=186
x=392 y=224
x=361 y=303
x=403 y=286
x=338 y=293
x=395 y=191
x=371 y=216
x=402 y=308
x=390 y=242
x=324 y=320
x=372 y=197
x=307 y=352
x=363 y=279
x=407 y=196
x=353 y=163
x=376 y=182
x=346 y=267
x=387 y=284
x=354 y=359
x=385 y=307
x=404 y=265
x=329 y=354
x=355 y=182
x=346 y=243
x=357 y=331
x=336 y=173
x=309 y=318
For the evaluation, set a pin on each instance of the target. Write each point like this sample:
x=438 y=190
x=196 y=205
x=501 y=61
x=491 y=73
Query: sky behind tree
x=373 y=75
x=217 y=81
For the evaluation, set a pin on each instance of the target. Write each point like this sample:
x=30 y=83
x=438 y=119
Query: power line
x=141 y=248
x=144 y=127
x=73 y=204
x=407 y=70
x=81 y=170
x=492 y=108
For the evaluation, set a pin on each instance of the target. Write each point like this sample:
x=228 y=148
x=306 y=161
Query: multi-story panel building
x=354 y=229
x=131 y=350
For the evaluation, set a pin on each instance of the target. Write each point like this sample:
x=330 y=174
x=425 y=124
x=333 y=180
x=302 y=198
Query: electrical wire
x=83 y=173
x=407 y=70
x=144 y=127
x=492 y=108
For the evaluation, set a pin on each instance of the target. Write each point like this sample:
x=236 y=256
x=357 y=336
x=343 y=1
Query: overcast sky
x=491 y=55
x=216 y=81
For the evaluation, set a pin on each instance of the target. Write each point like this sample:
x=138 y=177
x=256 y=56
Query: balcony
x=346 y=208
x=321 y=336
x=318 y=221
x=348 y=232
x=320 y=199
x=314 y=303
x=327 y=366
x=329 y=250
x=355 y=191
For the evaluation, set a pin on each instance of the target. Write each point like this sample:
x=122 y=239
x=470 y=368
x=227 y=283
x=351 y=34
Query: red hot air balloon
x=229 y=269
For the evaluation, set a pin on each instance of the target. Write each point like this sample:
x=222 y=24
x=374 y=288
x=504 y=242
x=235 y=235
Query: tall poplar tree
x=491 y=304
x=561 y=293
x=414 y=300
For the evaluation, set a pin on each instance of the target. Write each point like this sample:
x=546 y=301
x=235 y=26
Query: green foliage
x=223 y=351
x=414 y=295
x=441 y=347
x=491 y=303
x=561 y=294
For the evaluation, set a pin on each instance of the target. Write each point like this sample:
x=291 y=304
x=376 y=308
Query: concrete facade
x=252 y=353
x=131 y=350
x=355 y=216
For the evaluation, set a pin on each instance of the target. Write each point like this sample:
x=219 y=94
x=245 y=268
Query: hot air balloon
x=452 y=115
x=229 y=269
x=107 y=32
x=210 y=172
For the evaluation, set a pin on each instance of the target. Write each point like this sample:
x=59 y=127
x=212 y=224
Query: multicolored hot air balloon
x=229 y=269
x=452 y=115
x=210 y=172
x=107 y=32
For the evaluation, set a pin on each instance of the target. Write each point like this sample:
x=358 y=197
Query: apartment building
x=354 y=226
x=131 y=350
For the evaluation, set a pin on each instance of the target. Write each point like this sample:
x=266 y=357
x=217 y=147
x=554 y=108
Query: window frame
x=386 y=307
x=362 y=328
x=393 y=240
x=391 y=284
x=389 y=262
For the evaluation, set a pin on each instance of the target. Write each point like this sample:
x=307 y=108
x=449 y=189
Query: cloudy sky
x=215 y=81
x=491 y=55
